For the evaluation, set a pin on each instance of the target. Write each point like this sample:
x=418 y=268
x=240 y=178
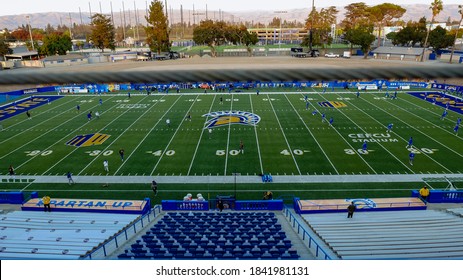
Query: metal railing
x=312 y=243
x=113 y=243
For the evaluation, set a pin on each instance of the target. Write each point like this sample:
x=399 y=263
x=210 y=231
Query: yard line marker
x=200 y=137
x=144 y=138
x=284 y=136
x=173 y=136
x=313 y=136
x=257 y=139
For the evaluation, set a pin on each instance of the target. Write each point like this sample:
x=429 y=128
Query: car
x=331 y=55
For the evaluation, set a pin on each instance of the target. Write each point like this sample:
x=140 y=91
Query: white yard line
x=200 y=137
x=401 y=120
x=313 y=136
x=384 y=148
x=257 y=139
x=405 y=140
x=228 y=139
x=173 y=136
x=282 y=131
x=144 y=138
x=76 y=148
x=78 y=115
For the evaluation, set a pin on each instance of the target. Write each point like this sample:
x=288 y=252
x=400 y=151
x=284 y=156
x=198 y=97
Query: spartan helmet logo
x=230 y=117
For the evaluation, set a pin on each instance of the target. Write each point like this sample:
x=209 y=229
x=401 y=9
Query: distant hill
x=414 y=12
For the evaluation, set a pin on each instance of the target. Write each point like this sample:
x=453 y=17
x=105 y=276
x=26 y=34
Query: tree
x=363 y=37
x=412 y=34
x=102 y=34
x=384 y=14
x=245 y=37
x=320 y=24
x=55 y=43
x=436 y=6
x=357 y=14
x=157 y=33
x=4 y=48
x=212 y=34
x=440 y=39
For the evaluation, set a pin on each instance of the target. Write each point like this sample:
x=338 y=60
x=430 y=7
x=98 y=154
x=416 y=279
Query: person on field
x=69 y=176
x=106 y=166
x=154 y=187
x=46 y=203
x=121 y=153
x=424 y=194
x=350 y=210
x=411 y=157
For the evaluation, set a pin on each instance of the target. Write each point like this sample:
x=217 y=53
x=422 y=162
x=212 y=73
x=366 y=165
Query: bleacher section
x=213 y=235
x=55 y=235
x=420 y=235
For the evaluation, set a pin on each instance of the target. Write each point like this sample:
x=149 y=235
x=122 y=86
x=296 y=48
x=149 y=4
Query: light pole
x=280 y=12
x=456 y=32
x=30 y=31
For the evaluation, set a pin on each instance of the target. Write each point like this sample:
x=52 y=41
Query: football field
x=279 y=133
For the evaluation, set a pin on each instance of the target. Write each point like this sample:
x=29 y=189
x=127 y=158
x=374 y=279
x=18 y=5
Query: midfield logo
x=332 y=104
x=223 y=118
x=88 y=140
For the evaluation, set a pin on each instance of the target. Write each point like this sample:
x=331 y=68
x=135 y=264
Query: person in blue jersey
x=389 y=127
x=121 y=154
x=314 y=112
x=128 y=94
x=364 y=146
x=89 y=116
x=358 y=94
x=447 y=105
x=458 y=121
x=444 y=114
x=78 y=108
x=410 y=142
x=69 y=176
x=324 y=90
x=101 y=101
x=331 y=121
x=395 y=95
x=457 y=126
x=386 y=94
x=307 y=105
x=323 y=117
x=411 y=157
x=306 y=97
x=434 y=100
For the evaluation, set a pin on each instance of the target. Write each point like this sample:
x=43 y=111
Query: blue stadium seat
x=266 y=256
x=247 y=256
x=256 y=251
x=228 y=256
x=237 y=251
x=218 y=252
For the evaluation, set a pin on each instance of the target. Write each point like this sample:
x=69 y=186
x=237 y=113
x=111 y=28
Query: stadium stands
x=56 y=235
x=212 y=235
x=418 y=234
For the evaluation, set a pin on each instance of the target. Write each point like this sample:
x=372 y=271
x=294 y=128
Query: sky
x=18 y=7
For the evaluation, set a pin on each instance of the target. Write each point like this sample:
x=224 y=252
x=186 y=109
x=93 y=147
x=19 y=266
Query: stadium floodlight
x=30 y=31
x=456 y=32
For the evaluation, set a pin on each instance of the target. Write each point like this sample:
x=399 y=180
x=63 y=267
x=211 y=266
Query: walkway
x=392 y=178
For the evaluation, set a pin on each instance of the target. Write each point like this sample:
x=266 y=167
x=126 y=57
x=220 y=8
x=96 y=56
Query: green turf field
x=288 y=139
